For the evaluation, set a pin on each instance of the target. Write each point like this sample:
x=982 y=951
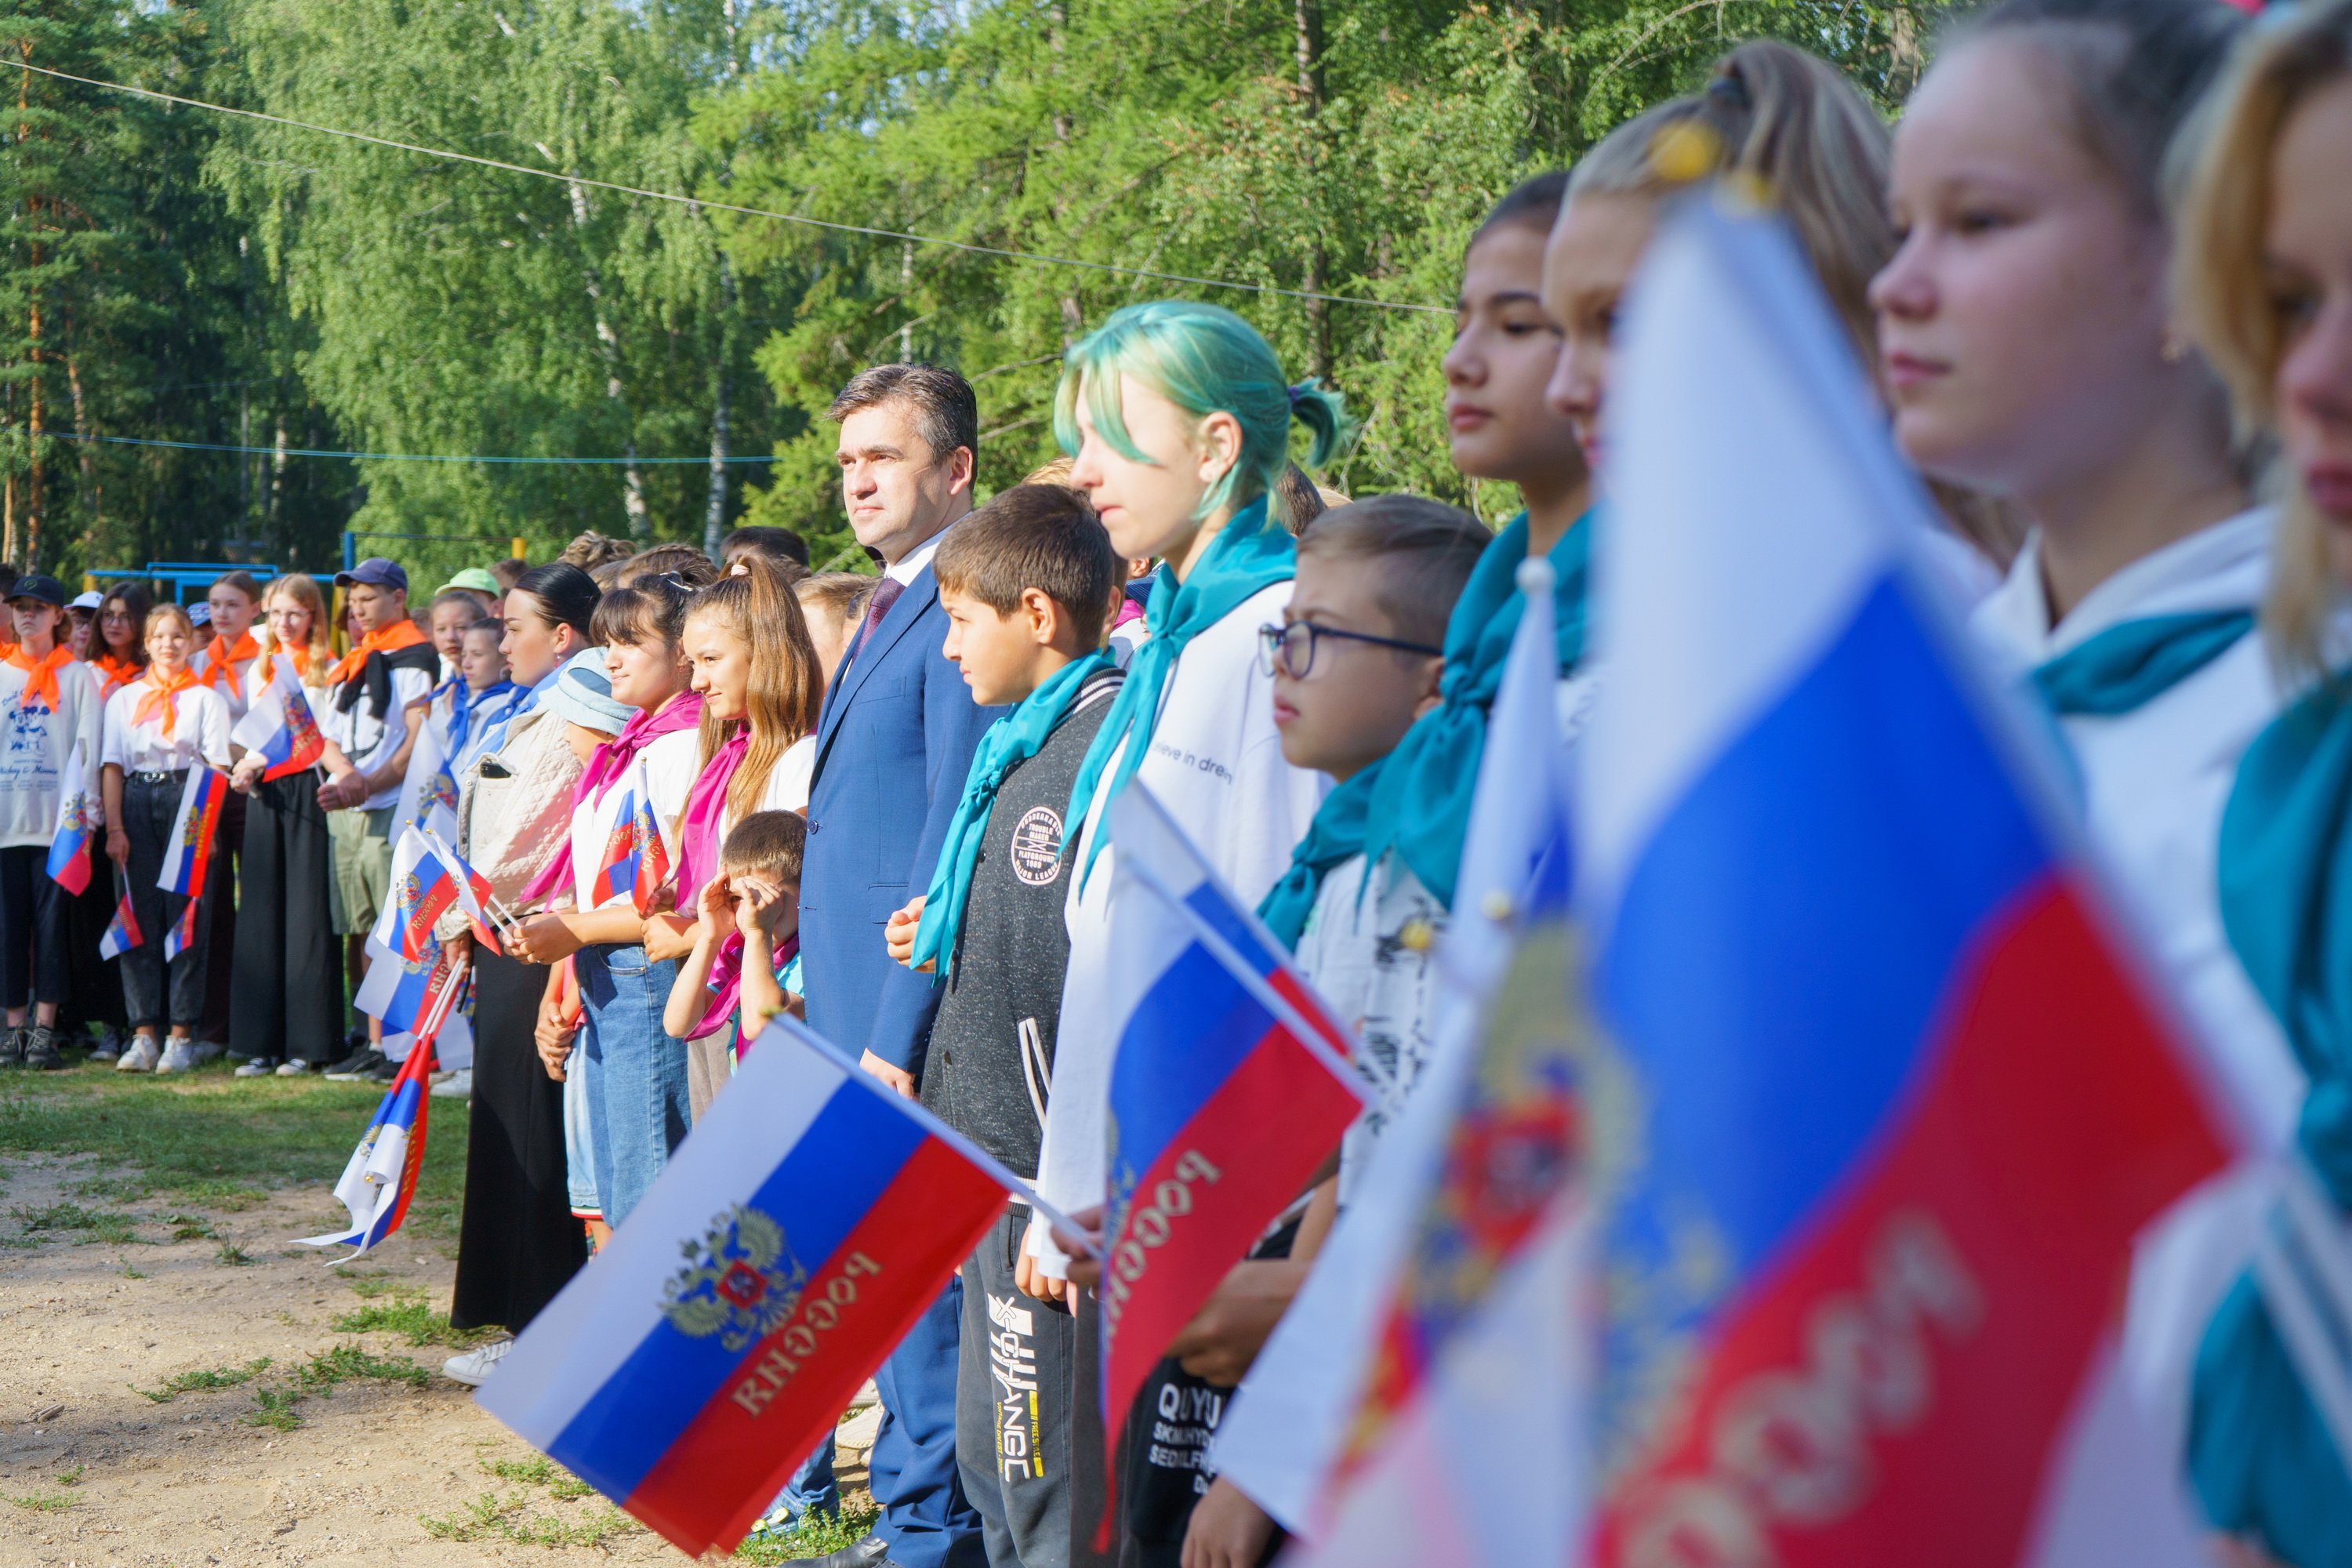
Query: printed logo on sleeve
x=1036 y=848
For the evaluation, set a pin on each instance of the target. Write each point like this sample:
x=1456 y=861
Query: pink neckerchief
x=697 y=828
x=683 y=711
x=604 y=769
x=726 y=986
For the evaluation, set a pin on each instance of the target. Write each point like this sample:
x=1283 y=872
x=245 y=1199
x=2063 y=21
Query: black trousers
x=32 y=929
x=286 y=975
x=518 y=1243
x=228 y=846
x=1015 y=1375
x=94 y=989
x=157 y=990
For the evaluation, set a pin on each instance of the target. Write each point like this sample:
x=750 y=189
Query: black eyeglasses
x=1293 y=647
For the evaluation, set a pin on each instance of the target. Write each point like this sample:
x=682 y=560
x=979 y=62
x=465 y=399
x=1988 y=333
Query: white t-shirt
x=671 y=762
x=2155 y=779
x=236 y=691
x=1216 y=764
x=39 y=740
x=369 y=741
x=199 y=735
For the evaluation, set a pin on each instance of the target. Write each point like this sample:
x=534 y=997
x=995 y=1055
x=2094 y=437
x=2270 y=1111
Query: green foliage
x=538 y=1470
x=813 y=1536
x=492 y=1518
x=86 y=1225
x=44 y=1502
x=274 y=1403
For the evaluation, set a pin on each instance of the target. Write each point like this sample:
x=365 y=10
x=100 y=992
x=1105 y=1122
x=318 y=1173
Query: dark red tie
x=886 y=594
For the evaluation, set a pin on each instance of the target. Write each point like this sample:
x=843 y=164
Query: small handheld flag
x=188 y=854
x=784 y=1250
x=636 y=859
x=483 y=909
x=182 y=934
x=123 y=932
x=428 y=791
x=278 y=725
x=1229 y=1088
x=380 y=1176
x=68 y=862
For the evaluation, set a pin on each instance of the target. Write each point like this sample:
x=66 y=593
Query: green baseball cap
x=474 y=579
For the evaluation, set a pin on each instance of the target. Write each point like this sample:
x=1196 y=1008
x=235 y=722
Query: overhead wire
x=390 y=456
x=870 y=230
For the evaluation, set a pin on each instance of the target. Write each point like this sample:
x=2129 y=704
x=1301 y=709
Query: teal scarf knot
x=1334 y=837
x=2130 y=663
x=1420 y=802
x=2258 y=1452
x=1246 y=557
x=1012 y=739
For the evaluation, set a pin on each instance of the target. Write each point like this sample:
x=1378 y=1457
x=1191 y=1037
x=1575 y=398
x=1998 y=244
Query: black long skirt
x=288 y=996
x=518 y=1243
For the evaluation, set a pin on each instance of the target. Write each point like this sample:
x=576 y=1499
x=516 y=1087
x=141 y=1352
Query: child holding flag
x=279 y=1011
x=226 y=664
x=157 y=730
x=625 y=811
x=1028 y=583
x=52 y=708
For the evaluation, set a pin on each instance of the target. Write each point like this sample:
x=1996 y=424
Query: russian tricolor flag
x=278 y=725
x=786 y=1251
x=380 y=1176
x=473 y=891
x=408 y=968
x=68 y=862
x=182 y=934
x=189 y=853
x=122 y=932
x=1230 y=1087
x=1894 y=1101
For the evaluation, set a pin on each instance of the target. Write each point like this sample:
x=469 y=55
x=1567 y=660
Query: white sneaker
x=474 y=1368
x=458 y=1085
x=179 y=1056
x=140 y=1057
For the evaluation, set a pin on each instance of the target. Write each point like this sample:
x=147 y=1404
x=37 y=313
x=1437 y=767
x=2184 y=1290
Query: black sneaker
x=41 y=1051
x=256 y=1066
x=353 y=1068
x=11 y=1046
x=384 y=1071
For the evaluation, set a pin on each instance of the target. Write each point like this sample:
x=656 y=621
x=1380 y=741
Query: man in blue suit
x=893 y=747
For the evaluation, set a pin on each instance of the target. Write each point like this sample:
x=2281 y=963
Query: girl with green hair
x=1176 y=417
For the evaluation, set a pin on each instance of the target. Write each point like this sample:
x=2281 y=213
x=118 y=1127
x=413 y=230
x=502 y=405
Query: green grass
x=410 y=1317
x=45 y=1502
x=492 y=1518
x=233 y=1255
x=277 y=1401
x=87 y=1225
x=215 y=1142
x=538 y=1470
x=370 y=1284
x=814 y=1537
x=196 y=1382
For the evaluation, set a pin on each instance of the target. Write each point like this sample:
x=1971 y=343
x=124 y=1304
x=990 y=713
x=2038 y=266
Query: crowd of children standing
x=2101 y=272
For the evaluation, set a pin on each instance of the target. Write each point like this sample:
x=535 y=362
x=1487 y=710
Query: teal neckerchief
x=2117 y=669
x=1245 y=557
x=1014 y=738
x=1335 y=835
x=1421 y=802
x=2258 y=1453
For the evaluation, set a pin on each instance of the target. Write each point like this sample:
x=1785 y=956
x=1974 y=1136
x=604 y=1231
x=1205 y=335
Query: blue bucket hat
x=583 y=695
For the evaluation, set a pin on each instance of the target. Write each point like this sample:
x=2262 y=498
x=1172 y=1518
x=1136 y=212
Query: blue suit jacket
x=894 y=743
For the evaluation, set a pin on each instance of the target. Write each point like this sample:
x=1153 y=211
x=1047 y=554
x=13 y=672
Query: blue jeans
x=638 y=1109
x=578 y=1142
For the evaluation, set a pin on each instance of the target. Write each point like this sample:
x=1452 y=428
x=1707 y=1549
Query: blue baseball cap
x=583 y=695
x=375 y=571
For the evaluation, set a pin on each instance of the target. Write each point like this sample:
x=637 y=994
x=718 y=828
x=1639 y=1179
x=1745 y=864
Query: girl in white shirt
x=2026 y=328
x=156 y=729
x=50 y=705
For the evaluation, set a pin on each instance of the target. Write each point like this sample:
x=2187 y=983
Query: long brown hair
x=787 y=686
x=303 y=589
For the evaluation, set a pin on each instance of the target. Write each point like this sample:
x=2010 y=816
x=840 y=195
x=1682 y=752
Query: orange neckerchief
x=383 y=639
x=40 y=674
x=160 y=694
x=221 y=658
x=300 y=657
x=119 y=671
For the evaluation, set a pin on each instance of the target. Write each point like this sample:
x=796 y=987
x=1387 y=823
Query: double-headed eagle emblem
x=740 y=1282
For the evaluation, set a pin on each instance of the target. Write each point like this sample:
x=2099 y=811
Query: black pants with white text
x=1015 y=1372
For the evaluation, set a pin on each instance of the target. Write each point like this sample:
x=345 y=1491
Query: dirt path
x=387 y=1469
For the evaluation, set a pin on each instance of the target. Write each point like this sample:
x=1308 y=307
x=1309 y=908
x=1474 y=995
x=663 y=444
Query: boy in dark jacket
x=1028 y=583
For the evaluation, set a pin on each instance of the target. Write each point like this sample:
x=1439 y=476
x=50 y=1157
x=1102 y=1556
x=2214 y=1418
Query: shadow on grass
x=215 y=1140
